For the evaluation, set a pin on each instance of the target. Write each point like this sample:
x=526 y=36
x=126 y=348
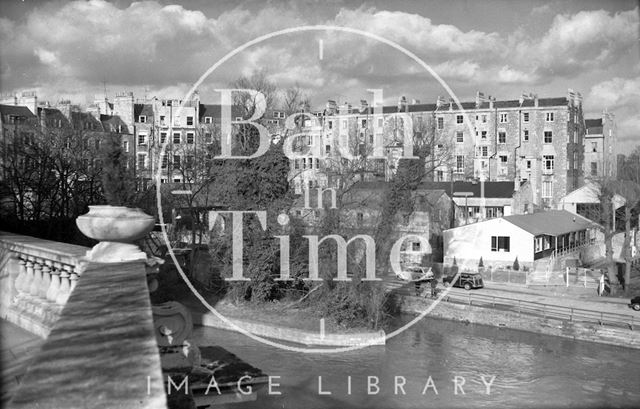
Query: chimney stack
x=332 y=107
x=440 y=101
x=480 y=98
x=402 y=104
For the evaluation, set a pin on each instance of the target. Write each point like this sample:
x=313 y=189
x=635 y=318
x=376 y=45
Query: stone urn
x=116 y=227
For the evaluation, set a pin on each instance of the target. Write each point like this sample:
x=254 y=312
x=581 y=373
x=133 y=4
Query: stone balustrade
x=100 y=349
x=36 y=278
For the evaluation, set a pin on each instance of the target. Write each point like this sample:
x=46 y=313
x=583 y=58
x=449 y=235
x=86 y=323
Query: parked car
x=416 y=273
x=635 y=303
x=465 y=280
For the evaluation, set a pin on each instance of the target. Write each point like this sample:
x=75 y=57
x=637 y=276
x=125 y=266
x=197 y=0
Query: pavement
x=18 y=349
x=571 y=297
x=576 y=297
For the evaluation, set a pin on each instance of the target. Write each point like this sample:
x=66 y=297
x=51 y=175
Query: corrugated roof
x=551 y=222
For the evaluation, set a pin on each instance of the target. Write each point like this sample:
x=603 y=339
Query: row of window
x=176 y=120
x=548 y=161
x=502 y=136
x=177 y=138
x=363 y=123
x=306 y=163
x=503 y=118
x=176 y=160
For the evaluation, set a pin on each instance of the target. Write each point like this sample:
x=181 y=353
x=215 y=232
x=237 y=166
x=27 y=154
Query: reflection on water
x=530 y=371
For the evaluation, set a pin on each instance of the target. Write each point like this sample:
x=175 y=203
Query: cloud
x=46 y=57
x=75 y=46
x=615 y=93
x=458 y=70
x=581 y=42
x=418 y=32
x=508 y=75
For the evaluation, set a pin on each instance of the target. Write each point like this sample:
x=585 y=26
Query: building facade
x=599 y=147
x=540 y=140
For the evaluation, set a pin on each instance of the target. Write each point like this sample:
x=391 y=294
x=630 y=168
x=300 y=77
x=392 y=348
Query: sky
x=78 y=49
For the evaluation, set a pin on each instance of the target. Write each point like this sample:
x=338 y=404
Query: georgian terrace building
x=540 y=140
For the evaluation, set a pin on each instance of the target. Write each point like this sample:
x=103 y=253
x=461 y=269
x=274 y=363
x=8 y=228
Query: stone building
x=599 y=147
x=66 y=143
x=540 y=140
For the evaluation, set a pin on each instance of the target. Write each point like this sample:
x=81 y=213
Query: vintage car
x=465 y=280
x=415 y=274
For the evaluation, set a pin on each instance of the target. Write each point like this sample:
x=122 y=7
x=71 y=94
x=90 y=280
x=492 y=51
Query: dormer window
x=207 y=119
x=142 y=119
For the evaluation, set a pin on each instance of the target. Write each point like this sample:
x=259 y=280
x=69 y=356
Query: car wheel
x=467 y=286
x=636 y=307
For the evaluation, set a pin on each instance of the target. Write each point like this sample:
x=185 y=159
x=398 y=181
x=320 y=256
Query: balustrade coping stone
x=46 y=249
x=102 y=352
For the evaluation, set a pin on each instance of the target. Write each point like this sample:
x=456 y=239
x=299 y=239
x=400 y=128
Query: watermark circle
x=229 y=55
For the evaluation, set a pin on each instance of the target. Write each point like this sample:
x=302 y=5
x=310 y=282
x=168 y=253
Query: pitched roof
x=16 y=110
x=551 y=222
x=594 y=126
x=142 y=109
x=212 y=110
x=590 y=123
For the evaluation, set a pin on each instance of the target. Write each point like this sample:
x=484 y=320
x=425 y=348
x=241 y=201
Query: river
x=458 y=361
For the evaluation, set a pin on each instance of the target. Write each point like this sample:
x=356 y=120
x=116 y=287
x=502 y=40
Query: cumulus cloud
x=147 y=44
x=578 y=43
x=615 y=93
x=508 y=75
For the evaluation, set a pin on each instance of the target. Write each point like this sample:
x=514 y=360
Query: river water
x=530 y=370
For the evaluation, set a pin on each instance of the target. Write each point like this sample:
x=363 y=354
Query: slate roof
x=16 y=110
x=108 y=121
x=143 y=109
x=551 y=222
x=594 y=126
x=590 y=123
x=514 y=103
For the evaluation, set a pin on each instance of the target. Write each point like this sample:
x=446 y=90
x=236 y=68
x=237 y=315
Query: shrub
x=516 y=265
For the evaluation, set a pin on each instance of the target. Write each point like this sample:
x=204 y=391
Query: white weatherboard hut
x=529 y=237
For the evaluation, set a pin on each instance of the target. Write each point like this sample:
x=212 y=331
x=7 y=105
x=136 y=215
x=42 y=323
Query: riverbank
x=276 y=321
x=473 y=314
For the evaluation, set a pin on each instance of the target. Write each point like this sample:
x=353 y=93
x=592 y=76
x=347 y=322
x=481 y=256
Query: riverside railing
x=546 y=310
